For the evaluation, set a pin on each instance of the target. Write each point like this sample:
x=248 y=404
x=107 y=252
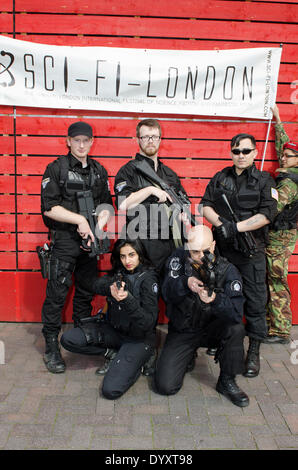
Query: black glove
x=227 y=231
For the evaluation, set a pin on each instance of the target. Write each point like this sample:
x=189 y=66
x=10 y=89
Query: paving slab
x=44 y=411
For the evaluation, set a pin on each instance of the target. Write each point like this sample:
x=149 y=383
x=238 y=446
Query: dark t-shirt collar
x=139 y=156
x=73 y=161
x=247 y=171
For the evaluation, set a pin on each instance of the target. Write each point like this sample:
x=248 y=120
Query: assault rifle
x=180 y=199
x=247 y=243
x=206 y=272
x=87 y=209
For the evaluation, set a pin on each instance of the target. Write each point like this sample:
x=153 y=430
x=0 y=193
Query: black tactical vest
x=245 y=200
x=191 y=313
x=71 y=181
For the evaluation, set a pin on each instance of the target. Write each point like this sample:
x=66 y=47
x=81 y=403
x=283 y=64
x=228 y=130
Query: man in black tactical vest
x=145 y=203
x=205 y=309
x=71 y=234
x=252 y=196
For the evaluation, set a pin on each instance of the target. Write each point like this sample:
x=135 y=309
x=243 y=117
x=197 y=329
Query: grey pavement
x=40 y=410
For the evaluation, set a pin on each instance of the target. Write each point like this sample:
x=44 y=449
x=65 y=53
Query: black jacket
x=128 y=180
x=185 y=310
x=250 y=193
x=55 y=191
x=136 y=316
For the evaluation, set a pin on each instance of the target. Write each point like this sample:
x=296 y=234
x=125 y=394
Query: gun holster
x=44 y=255
x=89 y=327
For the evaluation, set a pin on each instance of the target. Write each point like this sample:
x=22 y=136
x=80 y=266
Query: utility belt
x=64 y=235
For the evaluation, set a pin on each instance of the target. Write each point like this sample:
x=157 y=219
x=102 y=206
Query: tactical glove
x=227 y=231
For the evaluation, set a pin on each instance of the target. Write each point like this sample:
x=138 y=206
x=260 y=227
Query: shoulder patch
x=274 y=193
x=45 y=182
x=175 y=264
x=155 y=288
x=236 y=286
x=120 y=186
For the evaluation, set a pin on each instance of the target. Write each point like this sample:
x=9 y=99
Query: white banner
x=240 y=83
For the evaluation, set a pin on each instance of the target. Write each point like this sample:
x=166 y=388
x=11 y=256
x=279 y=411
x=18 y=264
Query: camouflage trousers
x=279 y=314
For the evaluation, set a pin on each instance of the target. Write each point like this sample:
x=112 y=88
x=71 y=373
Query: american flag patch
x=274 y=193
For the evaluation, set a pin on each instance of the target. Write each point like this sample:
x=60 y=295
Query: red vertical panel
x=210 y=25
x=6 y=22
x=7 y=5
x=239 y=10
x=293 y=284
x=155 y=27
x=29 y=294
x=8 y=296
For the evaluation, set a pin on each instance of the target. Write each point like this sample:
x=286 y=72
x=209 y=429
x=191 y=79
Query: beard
x=149 y=151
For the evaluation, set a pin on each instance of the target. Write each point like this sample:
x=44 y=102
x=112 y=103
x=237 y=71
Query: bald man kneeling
x=204 y=304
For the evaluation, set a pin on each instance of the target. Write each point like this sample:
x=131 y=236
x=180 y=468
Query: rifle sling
x=174 y=227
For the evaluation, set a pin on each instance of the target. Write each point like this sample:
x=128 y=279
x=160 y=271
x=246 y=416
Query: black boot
x=52 y=357
x=252 y=363
x=192 y=363
x=149 y=367
x=227 y=386
x=110 y=354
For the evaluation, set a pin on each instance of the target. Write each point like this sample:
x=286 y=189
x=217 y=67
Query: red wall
x=195 y=147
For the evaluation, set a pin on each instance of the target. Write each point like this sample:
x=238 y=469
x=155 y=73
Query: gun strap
x=174 y=226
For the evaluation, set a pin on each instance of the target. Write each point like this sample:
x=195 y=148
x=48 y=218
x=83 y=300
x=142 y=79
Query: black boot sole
x=251 y=375
x=222 y=391
x=53 y=370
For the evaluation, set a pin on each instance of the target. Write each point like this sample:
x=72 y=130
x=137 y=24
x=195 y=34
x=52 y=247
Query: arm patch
x=236 y=286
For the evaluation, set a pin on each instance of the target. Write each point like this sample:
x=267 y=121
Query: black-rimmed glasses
x=147 y=138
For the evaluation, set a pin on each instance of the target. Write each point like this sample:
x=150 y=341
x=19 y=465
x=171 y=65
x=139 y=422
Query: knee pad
x=111 y=394
x=164 y=388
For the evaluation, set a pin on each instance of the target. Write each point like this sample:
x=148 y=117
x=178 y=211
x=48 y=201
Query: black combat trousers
x=125 y=368
x=179 y=349
x=253 y=273
x=71 y=260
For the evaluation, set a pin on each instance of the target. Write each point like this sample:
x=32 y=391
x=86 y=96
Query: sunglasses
x=243 y=151
x=290 y=156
